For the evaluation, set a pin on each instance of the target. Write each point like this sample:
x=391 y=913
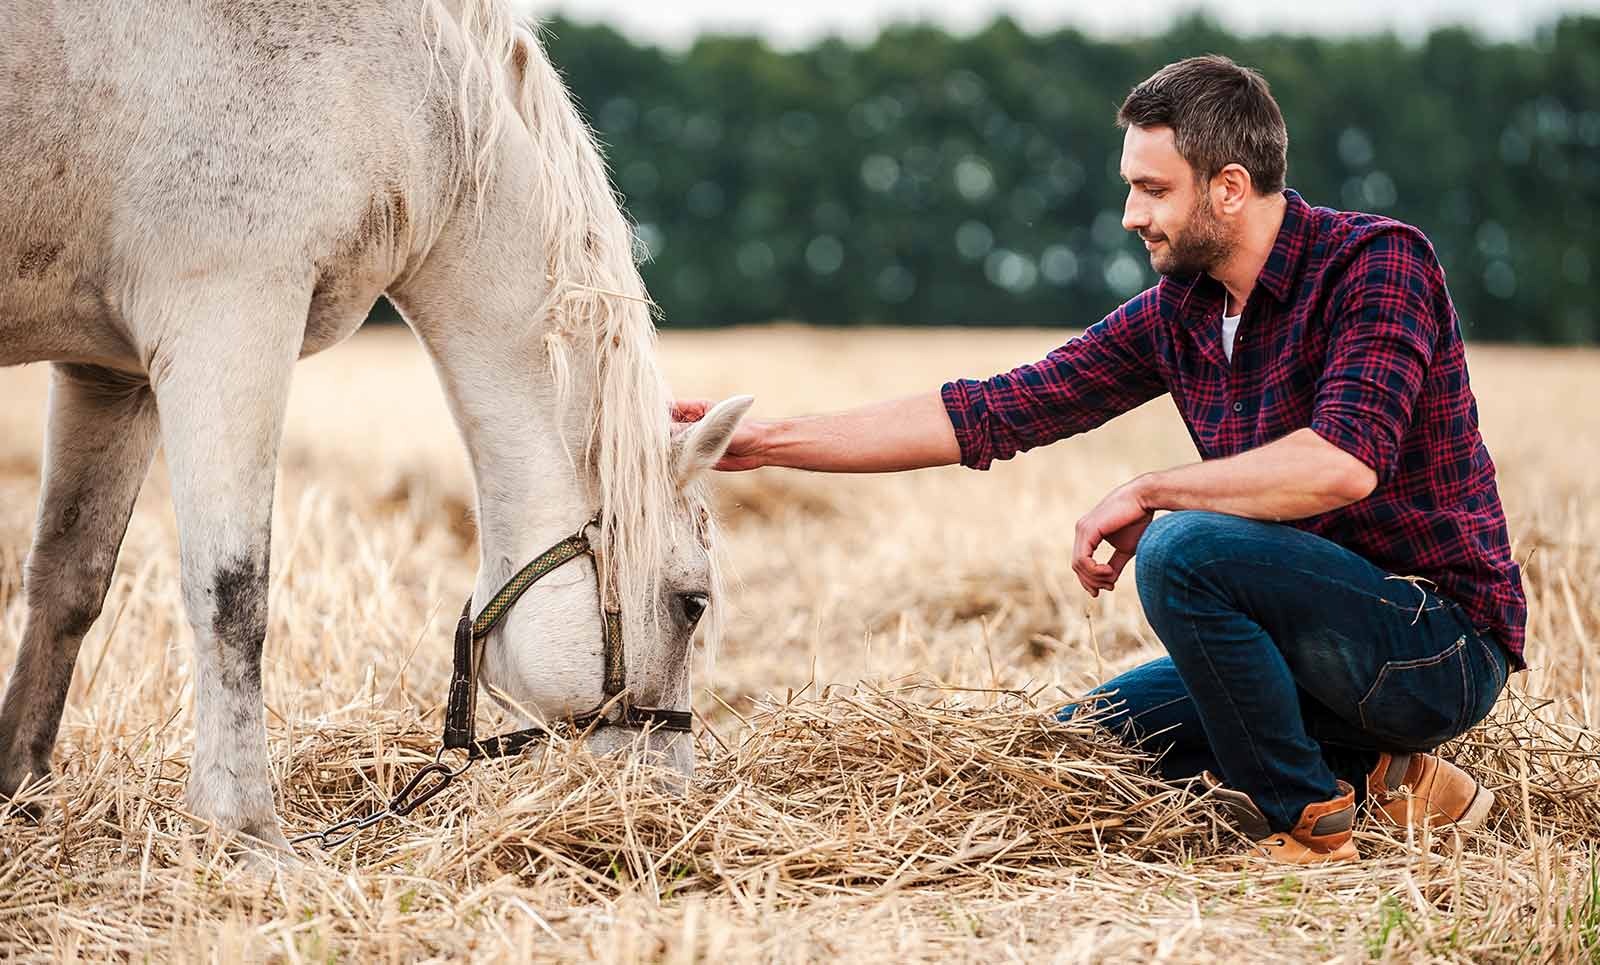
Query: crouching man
x=1333 y=582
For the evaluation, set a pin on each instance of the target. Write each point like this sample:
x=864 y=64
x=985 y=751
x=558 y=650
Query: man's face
x=1167 y=206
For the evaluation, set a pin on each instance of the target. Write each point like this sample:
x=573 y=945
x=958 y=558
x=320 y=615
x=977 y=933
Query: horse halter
x=614 y=710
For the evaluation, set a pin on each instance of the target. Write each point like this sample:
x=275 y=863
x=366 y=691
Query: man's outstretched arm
x=1106 y=371
x=910 y=433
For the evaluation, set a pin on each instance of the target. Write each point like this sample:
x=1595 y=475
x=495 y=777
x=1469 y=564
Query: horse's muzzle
x=670 y=750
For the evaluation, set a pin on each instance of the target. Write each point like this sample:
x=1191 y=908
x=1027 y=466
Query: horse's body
x=198 y=193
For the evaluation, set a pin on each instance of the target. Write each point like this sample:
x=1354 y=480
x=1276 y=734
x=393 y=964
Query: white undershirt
x=1230 y=327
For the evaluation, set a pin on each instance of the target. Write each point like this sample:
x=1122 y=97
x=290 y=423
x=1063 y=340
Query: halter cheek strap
x=462 y=703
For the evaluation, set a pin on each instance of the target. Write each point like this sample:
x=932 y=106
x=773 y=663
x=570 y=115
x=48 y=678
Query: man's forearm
x=909 y=433
x=1297 y=476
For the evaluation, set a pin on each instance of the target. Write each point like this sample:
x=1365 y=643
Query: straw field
x=879 y=779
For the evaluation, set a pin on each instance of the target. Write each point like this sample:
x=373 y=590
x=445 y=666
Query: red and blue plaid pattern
x=1351 y=332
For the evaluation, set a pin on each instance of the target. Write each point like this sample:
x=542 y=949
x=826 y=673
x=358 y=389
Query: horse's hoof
x=264 y=853
x=21 y=800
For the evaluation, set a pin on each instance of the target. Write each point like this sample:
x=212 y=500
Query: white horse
x=200 y=192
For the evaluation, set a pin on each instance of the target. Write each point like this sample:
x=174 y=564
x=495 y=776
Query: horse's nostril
x=693 y=606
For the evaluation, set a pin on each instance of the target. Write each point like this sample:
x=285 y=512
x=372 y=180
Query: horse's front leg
x=101 y=435
x=221 y=389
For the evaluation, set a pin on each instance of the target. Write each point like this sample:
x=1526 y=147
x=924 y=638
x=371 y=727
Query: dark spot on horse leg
x=240 y=621
x=69 y=518
x=37 y=259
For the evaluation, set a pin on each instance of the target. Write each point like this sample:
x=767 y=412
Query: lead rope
x=462 y=700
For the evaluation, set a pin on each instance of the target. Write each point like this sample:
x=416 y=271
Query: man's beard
x=1202 y=245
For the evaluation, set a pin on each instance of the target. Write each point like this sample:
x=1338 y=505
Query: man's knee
x=1147 y=699
x=1177 y=544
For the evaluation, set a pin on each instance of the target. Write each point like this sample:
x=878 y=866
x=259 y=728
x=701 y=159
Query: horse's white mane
x=596 y=299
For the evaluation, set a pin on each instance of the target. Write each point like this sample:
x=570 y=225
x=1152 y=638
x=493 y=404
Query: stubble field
x=828 y=823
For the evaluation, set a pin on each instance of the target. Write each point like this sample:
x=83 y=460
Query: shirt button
x=1238 y=407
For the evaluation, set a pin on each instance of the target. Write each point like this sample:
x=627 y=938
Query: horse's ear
x=699 y=446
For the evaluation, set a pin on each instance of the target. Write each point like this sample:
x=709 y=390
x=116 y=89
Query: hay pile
x=862 y=791
x=851 y=796
x=853 y=790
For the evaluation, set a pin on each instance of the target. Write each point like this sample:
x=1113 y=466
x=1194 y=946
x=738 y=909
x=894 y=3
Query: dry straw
x=854 y=796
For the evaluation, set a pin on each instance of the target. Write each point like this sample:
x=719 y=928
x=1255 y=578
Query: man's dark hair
x=1220 y=114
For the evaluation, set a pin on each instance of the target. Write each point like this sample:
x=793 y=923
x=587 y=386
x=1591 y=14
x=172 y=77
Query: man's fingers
x=1119 y=559
x=737 y=464
x=1084 y=542
x=1093 y=575
x=690 y=410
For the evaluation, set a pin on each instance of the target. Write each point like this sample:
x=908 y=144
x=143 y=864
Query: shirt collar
x=1279 y=274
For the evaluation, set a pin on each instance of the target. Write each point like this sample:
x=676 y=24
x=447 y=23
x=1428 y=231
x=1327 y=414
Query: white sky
x=789 y=23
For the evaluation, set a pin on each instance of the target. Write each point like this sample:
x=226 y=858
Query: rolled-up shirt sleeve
x=1384 y=322
x=1108 y=370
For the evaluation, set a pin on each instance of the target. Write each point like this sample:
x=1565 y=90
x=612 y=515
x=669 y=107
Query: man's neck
x=1257 y=234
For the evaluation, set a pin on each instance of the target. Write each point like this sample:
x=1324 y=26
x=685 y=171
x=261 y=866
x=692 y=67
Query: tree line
x=926 y=178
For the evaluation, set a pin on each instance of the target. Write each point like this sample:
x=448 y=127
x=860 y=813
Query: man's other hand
x=1120 y=519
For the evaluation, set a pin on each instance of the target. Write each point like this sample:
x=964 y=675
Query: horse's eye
x=693 y=606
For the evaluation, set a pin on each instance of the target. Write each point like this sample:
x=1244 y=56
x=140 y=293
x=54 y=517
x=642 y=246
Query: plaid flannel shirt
x=1351 y=332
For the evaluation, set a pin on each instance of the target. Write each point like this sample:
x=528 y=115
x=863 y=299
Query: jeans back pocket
x=1419 y=704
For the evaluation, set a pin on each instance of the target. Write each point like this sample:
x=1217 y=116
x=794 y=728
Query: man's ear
x=1234 y=182
x=698 y=447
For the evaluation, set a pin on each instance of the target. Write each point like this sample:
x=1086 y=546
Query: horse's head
x=548 y=658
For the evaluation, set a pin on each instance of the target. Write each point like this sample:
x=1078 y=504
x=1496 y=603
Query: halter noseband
x=614 y=710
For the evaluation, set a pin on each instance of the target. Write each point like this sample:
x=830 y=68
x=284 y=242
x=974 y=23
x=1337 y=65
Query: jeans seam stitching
x=1442 y=605
x=1161 y=706
x=1494 y=664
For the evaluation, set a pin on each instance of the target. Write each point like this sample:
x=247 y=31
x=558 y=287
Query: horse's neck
x=542 y=214
x=534 y=486
x=526 y=442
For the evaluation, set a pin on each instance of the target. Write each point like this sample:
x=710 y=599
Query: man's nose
x=1133 y=215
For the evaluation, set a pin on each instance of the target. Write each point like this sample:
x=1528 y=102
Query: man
x=1334 y=583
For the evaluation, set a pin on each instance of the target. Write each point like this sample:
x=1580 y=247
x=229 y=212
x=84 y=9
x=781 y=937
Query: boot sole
x=1288 y=851
x=1473 y=817
x=1477 y=811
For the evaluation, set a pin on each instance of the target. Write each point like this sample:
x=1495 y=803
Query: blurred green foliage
x=928 y=178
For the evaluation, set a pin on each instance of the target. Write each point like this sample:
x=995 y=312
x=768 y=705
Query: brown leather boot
x=1437 y=794
x=1321 y=836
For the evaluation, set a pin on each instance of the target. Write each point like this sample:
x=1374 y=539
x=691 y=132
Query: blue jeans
x=1291 y=662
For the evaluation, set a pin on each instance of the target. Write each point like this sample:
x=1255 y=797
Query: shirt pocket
x=1419 y=704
